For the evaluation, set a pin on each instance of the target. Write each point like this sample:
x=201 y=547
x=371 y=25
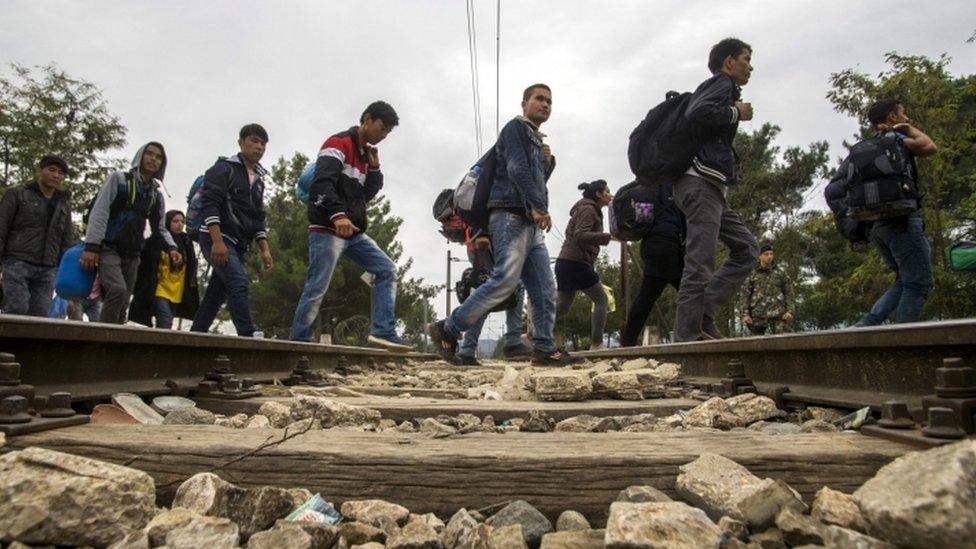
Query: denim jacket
x=520 y=175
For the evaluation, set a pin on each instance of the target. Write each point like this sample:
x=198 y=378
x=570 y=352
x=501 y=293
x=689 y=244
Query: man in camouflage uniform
x=767 y=300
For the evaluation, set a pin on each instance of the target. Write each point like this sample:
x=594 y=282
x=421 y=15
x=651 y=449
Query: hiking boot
x=559 y=357
x=468 y=361
x=393 y=343
x=446 y=343
x=709 y=330
x=518 y=352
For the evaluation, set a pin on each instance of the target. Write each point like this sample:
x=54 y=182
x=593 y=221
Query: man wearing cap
x=767 y=301
x=35 y=229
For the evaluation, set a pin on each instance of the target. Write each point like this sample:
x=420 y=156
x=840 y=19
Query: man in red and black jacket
x=347 y=176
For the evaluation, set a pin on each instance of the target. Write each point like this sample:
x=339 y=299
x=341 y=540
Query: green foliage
x=46 y=111
x=274 y=294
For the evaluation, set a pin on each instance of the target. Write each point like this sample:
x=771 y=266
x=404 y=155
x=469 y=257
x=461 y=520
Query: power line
x=473 y=63
x=498 y=59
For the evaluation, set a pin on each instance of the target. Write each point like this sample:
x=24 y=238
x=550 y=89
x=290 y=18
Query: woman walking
x=164 y=290
x=663 y=253
x=574 y=267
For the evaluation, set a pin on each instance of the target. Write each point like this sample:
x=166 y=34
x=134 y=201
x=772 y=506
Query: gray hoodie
x=584 y=233
x=123 y=230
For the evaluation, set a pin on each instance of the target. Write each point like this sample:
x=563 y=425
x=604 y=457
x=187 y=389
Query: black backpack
x=663 y=144
x=880 y=179
x=853 y=230
x=478 y=274
x=633 y=209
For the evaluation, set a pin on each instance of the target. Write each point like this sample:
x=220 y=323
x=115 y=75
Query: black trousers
x=651 y=288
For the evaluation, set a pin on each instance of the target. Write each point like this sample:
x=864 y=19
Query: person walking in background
x=578 y=255
x=116 y=227
x=35 y=231
x=164 y=290
x=662 y=251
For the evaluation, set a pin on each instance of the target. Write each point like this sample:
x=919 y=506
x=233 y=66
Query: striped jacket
x=343 y=183
x=233 y=202
x=712 y=113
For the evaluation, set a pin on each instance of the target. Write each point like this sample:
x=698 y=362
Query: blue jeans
x=324 y=250
x=28 y=289
x=520 y=253
x=513 y=328
x=164 y=313
x=228 y=283
x=905 y=250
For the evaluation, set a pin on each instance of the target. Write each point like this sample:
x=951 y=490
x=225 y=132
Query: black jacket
x=141 y=309
x=669 y=221
x=23 y=232
x=231 y=201
x=343 y=183
x=715 y=120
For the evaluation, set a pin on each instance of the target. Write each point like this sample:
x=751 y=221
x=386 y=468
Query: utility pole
x=624 y=294
x=447 y=286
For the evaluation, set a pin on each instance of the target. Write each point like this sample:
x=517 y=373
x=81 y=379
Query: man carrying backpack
x=233 y=214
x=519 y=216
x=900 y=240
x=714 y=111
x=116 y=227
x=347 y=176
x=35 y=231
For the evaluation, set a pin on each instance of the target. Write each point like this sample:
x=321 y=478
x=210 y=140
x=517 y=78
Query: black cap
x=766 y=248
x=53 y=160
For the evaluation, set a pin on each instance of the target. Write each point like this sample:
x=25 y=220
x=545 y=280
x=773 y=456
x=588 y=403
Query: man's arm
x=322 y=192
x=101 y=209
x=67 y=230
x=516 y=145
x=709 y=110
x=789 y=294
x=160 y=225
x=916 y=141
x=216 y=182
x=584 y=231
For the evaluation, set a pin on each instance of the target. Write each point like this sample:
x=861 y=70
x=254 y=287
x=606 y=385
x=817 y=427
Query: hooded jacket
x=26 y=231
x=343 y=183
x=117 y=219
x=584 y=233
x=712 y=113
x=231 y=201
x=143 y=296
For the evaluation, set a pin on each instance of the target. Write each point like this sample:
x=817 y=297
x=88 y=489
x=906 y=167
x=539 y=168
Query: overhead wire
x=475 y=79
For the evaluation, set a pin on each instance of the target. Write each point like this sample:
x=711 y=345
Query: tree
x=54 y=113
x=943 y=106
x=274 y=297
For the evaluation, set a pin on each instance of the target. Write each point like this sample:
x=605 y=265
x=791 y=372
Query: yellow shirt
x=170 y=284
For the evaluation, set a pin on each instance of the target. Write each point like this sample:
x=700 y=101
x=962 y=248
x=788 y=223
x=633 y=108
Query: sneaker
x=559 y=357
x=468 y=361
x=709 y=330
x=597 y=347
x=518 y=352
x=392 y=343
x=446 y=343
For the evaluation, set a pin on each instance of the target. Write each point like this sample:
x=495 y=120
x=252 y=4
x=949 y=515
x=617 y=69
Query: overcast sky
x=190 y=73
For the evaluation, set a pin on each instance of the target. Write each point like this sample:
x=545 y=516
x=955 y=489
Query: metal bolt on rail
x=58 y=405
x=13 y=409
x=943 y=423
x=10 y=384
x=955 y=389
x=895 y=415
x=736 y=382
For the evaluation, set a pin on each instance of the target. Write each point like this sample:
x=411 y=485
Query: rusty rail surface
x=92 y=361
x=845 y=368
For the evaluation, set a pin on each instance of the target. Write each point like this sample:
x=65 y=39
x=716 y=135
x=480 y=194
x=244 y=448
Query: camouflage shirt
x=767 y=293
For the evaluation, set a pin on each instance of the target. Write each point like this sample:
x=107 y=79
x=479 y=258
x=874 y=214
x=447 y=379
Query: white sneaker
x=394 y=344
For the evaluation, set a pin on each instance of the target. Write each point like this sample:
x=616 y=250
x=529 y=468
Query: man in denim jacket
x=519 y=217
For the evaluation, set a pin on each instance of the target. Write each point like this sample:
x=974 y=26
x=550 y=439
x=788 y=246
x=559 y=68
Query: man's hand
x=542 y=220
x=89 y=260
x=745 y=110
x=218 y=253
x=344 y=227
x=266 y=259
x=747 y=319
x=372 y=157
x=547 y=155
x=175 y=260
x=788 y=316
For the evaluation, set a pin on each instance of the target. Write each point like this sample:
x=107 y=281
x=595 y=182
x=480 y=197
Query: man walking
x=768 y=300
x=347 y=177
x=519 y=217
x=901 y=240
x=35 y=230
x=233 y=214
x=116 y=227
x=714 y=110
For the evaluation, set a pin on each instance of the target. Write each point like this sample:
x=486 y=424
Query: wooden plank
x=400 y=409
x=553 y=471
